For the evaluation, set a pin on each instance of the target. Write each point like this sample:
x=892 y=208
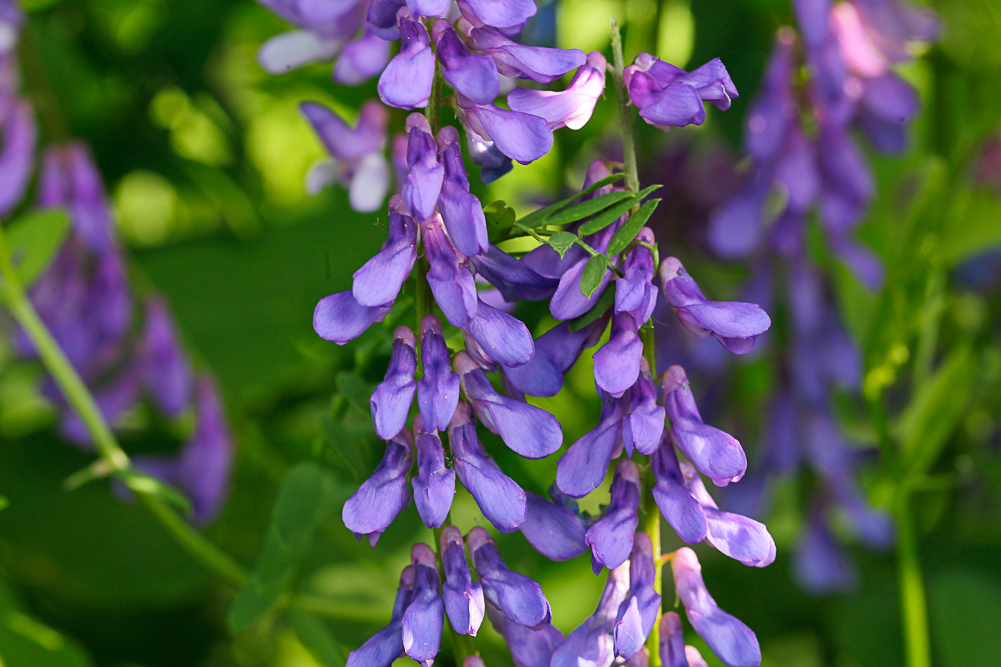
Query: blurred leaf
x=935 y=410
x=628 y=231
x=349 y=448
x=561 y=241
x=306 y=496
x=971 y=31
x=972 y=226
x=587 y=208
x=145 y=484
x=500 y=218
x=538 y=218
x=356 y=390
x=965 y=607
x=603 y=303
x=315 y=636
x=34 y=240
x=594 y=271
x=3 y=503
x=26 y=642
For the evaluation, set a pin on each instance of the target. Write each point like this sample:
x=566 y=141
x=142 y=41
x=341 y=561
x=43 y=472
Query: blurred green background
x=204 y=156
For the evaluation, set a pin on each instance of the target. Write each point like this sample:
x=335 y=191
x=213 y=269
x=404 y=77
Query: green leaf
x=27 y=642
x=314 y=635
x=152 y=486
x=603 y=303
x=935 y=410
x=500 y=218
x=538 y=218
x=628 y=231
x=586 y=208
x=350 y=449
x=561 y=241
x=34 y=240
x=594 y=271
x=306 y=497
x=973 y=225
x=606 y=218
x=356 y=390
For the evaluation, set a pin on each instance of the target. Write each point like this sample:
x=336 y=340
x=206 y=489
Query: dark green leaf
x=560 y=241
x=609 y=216
x=314 y=635
x=27 y=642
x=3 y=503
x=500 y=217
x=587 y=208
x=538 y=218
x=935 y=410
x=349 y=448
x=306 y=497
x=628 y=231
x=594 y=271
x=356 y=390
x=147 y=485
x=34 y=240
x=603 y=303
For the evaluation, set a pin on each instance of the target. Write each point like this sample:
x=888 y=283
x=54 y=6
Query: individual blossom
x=677 y=505
x=567 y=108
x=643 y=420
x=460 y=210
x=434 y=485
x=520 y=61
x=591 y=643
x=463 y=597
x=556 y=352
x=424 y=618
x=668 y=96
x=529 y=647
x=611 y=537
x=475 y=76
x=406 y=81
x=582 y=467
x=520 y=136
x=19 y=138
x=554 y=527
x=70 y=180
x=638 y=611
x=520 y=598
x=526 y=429
x=448 y=276
x=356 y=154
x=392 y=398
x=820 y=564
x=370 y=509
x=673 y=652
x=501 y=500
x=617 y=363
x=508 y=16
x=323 y=32
x=425 y=174
x=732 y=641
x=438 y=390
x=512 y=277
x=385 y=646
x=165 y=369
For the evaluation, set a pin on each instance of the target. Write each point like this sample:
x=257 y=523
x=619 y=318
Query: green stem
x=912 y=591
x=81 y=400
x=651 y=524
x=625 y=117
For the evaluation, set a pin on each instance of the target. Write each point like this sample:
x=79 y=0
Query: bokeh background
x=204 y=157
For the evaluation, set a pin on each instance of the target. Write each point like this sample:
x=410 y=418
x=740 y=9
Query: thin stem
x=651 y=524
x=912 y=590
x=81 y=400
x=625 y=117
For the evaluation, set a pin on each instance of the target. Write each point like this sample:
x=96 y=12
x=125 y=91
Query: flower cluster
x=85 y=300
x=803 y=151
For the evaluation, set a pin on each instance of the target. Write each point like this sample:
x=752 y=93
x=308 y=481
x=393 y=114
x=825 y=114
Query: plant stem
x=81 y=400
x=625 y=117
x=913 y=606
x=651 y=524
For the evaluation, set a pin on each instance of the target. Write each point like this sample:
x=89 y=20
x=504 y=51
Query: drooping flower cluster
x=87 y=304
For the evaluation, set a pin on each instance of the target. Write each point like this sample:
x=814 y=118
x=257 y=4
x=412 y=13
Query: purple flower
x=406 y=81
x=591 y=642
x=529 y=648
x=428 y=7
x=113 y=401
x=515 y=60
x=375 y=504
x=438 y=390
x=460 y=210
x=892 y=25
x=617 y=363
x=424 y=618
x=472 y=75
x=463 y=597
x=554 y=528
x=567 y=108
x=556 y=351
x=673 y=652
x=500 y=499
x=434 y=485
x=520 y=136
x=381 y=278
x=528 y=430
x=485 y=154
x=582 y=467
x=611 y=537
x=341 y=18
x=424 y=179
x=820 y=564
x=568 y=302
x=361 y=59
x=165 y=369
x=383 y=648
x=381 y=18
x=509 y=16
x=643 y=426
x=716 y=454
x=17 y=157
x=356 y=155
x=734 y=324
x=291 y=50
x=676 y=504
x=449 y=278
x=638 y=612
x=340 y=318
x=515 y=280
x=669 y=96
x=732 y=641
x=393 y=397
x=520 y=598
x=70 y=180
x=634 y=291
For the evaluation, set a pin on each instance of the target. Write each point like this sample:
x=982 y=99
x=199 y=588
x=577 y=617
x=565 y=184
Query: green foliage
x=540 y=218
x=500 y=218
x=27 y=642
x=34 y=240
x=627 y=233
x=146 y=484
x=561 y=241
x=306 y=498
x=594 y=272
x=317 y=639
